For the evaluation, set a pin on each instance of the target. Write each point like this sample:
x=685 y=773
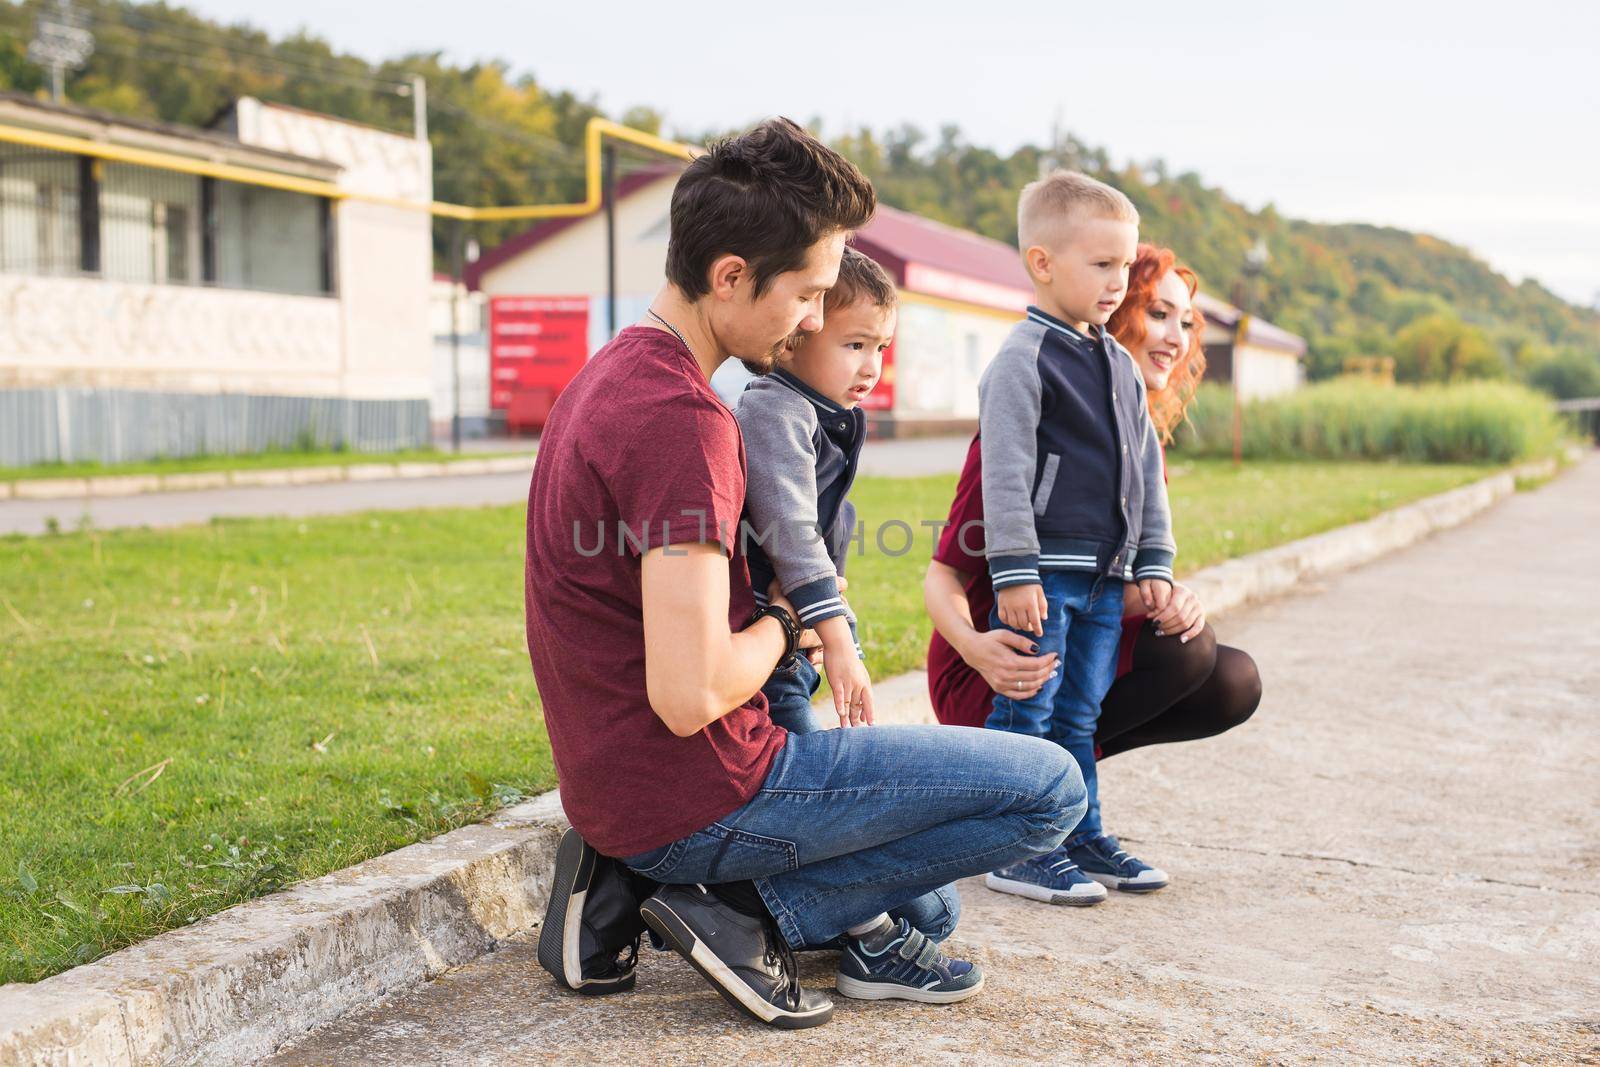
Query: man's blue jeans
x=852 y=823
x=1082 y=627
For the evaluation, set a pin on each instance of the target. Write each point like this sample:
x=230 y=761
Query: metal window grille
x=62 y=214
x=39 y=211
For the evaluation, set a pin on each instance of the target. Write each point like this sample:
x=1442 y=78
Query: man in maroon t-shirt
x=650 y=654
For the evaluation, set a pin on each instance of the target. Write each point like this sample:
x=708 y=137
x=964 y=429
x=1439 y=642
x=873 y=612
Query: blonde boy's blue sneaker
x=1103 y=858
x=1054 y=879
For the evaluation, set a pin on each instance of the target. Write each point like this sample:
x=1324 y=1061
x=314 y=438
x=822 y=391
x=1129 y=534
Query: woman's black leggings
x=1177 y=692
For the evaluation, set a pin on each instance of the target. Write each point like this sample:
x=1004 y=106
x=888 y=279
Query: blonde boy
x=1074 y=501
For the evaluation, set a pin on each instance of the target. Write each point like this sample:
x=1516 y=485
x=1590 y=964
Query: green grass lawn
x=192 y=718
x=253 y=461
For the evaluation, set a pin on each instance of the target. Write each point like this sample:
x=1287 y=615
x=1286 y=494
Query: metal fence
x=121 y=426
x=1584 y=415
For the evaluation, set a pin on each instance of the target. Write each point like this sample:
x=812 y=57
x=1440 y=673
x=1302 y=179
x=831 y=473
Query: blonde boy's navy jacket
x=1072 y=476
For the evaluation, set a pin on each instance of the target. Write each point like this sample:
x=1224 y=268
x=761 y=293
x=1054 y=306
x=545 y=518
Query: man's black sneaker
x=904 y=964
x=591 y=932
x=744 y=957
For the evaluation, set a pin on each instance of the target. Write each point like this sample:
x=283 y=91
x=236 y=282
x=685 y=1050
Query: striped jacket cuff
x=1153 y=563
x=817 y=600
x=1005 y=571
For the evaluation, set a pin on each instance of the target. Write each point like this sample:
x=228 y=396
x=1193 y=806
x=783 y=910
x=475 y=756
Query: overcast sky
x=1473 y=121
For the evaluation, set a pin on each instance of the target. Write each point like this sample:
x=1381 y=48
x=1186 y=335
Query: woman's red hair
x=1127 y=325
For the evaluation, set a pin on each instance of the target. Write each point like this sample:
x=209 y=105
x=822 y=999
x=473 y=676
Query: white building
x=1268 y=361
x=150 y=311
x=460 y=357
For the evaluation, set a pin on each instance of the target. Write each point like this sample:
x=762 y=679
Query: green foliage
x=1473 y=422
x=1566 y=374
x=497 y=138
x=1442 y=348
x=1348 y=289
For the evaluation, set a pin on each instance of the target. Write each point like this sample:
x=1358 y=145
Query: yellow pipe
x=596 y=129
x=166 y=161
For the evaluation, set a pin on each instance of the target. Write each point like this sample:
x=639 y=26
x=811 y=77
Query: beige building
x=138 y=298
x=960 y=293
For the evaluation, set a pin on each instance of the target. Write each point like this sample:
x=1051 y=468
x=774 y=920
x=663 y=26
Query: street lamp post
x=1255 y=261
x=461 y=249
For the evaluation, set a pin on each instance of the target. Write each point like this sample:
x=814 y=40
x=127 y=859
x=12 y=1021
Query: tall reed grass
x=1470 y=422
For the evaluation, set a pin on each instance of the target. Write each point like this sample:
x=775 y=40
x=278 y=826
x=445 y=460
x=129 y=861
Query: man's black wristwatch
x=791 y=628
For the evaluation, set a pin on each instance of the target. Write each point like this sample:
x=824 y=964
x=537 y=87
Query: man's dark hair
x=860 y=278
x=766 y=196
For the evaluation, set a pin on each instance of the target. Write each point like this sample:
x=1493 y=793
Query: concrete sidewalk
x=1396 y=860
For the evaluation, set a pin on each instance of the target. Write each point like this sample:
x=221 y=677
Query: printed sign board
x=536 y=344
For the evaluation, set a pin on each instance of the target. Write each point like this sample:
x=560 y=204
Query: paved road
x=936 y=455
x=203 y=505
x=1397 y=860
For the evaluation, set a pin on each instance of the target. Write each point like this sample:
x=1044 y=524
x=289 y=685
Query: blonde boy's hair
x=1048 y=207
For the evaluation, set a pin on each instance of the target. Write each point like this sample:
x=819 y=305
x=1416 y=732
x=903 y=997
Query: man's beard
x=768 y=362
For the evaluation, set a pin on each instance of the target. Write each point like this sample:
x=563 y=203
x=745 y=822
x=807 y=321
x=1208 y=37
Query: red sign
x=536 y=344
x=882 y=396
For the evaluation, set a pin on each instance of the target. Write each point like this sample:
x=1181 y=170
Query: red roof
x=895 y=238
x=1259 y=331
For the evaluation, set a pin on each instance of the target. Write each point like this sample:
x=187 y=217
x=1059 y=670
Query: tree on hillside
x=1442 y=348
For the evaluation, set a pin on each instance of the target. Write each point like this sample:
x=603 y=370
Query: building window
x=269 y=239
x=38 y=211
x=158 y=227
x=149 y=225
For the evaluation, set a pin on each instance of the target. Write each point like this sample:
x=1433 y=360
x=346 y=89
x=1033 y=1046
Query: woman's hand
x=1183 y=615
x=1008 y=662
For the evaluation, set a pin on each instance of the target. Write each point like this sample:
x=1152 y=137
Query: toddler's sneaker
x=1054 y=878
x=899 y=963
x=1103 y=859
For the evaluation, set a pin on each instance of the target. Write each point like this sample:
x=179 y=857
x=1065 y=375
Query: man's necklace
x=673 y=328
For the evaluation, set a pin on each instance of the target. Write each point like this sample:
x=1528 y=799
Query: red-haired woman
x=1174 y=683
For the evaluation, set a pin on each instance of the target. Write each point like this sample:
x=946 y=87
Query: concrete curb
x=136 y=484
x=232 y=988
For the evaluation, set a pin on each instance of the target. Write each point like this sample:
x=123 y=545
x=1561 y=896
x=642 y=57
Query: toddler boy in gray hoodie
x=803 y=431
